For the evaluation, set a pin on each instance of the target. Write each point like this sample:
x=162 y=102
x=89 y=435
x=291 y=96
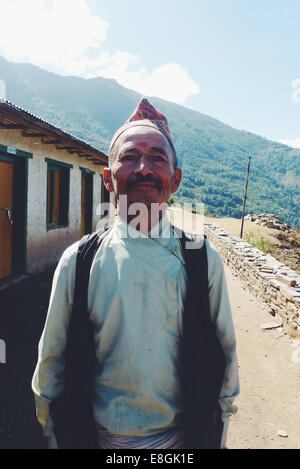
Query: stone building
x=50 y=191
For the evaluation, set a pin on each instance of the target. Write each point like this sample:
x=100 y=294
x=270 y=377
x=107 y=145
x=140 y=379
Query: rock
x=282 y=433
x=268 y=270
x=287 y=280
x=270 y=325
x=270 y=220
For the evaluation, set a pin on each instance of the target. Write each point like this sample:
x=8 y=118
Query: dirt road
x=269 y=370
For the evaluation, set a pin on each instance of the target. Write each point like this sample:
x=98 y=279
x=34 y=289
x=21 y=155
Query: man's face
x=142 y=167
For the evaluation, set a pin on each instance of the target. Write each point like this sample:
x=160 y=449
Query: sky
x=235 y=60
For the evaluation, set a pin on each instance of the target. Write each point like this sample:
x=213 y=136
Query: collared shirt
x=135 y=300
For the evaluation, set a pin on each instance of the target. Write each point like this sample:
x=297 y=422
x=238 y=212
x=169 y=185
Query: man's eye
x=128 y=157
x=158 y=158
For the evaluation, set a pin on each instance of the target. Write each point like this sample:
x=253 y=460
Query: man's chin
x=144 y=194
x=145 y=199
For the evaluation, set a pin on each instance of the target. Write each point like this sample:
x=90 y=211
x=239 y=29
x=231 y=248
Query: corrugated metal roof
x=11 y=112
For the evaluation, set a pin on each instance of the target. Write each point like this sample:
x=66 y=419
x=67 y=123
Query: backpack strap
x=87 y=249
x=72 y=412
x=201 y=358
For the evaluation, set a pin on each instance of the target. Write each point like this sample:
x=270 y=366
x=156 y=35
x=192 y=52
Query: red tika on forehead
x=143 y=144
x=145 y=110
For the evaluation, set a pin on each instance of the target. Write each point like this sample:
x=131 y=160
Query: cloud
x=169 y=81
x=295 y=143
x=64 y=37
x=53 y=36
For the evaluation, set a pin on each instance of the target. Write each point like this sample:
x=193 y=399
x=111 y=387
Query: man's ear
x=108 y=180
x=176 y=180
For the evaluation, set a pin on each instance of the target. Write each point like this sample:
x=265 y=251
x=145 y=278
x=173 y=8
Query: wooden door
x=86 y=203
x=6 y=217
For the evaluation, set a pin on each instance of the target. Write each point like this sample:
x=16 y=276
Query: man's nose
x=144 y=166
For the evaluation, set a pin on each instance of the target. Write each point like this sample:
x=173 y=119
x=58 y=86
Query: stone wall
x=271 y=281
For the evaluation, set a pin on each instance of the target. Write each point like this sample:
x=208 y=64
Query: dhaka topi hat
x=147 y=116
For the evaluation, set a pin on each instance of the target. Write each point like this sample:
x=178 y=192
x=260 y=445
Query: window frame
x=87 y=173
x=64 y=197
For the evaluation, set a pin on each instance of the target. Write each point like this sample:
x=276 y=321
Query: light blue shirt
x=135 y=299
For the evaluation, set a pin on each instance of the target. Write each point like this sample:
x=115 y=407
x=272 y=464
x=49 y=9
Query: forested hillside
x=214 y=156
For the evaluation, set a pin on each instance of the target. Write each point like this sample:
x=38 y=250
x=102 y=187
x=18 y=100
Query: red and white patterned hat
x=147 y=116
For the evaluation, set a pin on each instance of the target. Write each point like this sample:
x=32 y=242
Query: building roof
x=15 y=118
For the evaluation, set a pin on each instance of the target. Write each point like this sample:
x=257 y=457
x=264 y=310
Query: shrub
x=257 y=240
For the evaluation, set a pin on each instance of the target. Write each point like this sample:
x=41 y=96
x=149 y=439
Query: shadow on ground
x=22 y=317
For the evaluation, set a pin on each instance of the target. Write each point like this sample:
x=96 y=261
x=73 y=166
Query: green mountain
x=214 y=156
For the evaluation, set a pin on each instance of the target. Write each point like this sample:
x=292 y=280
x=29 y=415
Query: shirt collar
x=162 y=233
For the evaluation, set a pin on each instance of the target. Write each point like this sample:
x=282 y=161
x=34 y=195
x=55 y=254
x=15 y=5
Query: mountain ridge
x=214 y=155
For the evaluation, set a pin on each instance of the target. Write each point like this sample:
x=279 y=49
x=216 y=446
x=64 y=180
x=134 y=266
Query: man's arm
x=48 y=378
x=220 y=311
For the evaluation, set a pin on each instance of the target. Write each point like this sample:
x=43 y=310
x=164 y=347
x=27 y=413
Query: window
x=58 y=182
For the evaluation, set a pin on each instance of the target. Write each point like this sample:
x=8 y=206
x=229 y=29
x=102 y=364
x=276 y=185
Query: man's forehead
x=143 y=136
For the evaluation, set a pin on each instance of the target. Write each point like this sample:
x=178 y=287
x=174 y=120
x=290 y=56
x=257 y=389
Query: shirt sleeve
x=221 y=315
x=47 y=381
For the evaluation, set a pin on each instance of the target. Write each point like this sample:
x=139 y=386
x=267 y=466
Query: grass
x=257 y=240
x=298 y=238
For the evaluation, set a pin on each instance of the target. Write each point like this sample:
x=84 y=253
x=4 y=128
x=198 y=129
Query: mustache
x=138 y=178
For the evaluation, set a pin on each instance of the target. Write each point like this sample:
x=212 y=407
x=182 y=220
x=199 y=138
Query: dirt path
x=23 y=312
x=269 y=370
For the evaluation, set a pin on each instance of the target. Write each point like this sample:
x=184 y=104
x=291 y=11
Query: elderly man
x=165 y=371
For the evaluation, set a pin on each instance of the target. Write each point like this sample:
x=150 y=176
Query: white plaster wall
x=44 y=248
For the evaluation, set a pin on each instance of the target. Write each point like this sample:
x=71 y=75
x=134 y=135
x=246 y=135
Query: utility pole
x=245 y=197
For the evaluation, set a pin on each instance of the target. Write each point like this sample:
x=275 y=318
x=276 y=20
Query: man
x=136 y=297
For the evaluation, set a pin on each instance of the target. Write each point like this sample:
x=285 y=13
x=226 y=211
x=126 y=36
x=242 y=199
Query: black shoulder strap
x=79 y=334
x=72 y=412
x=87 y=249
x=201 y=358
